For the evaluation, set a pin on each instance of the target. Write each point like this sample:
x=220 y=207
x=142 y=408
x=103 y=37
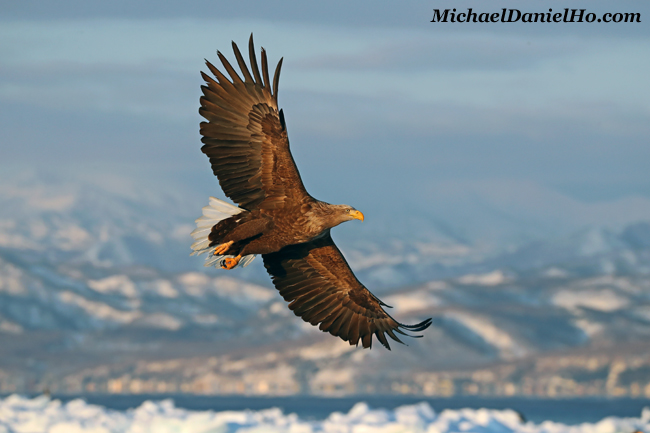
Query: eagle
x=245 y=138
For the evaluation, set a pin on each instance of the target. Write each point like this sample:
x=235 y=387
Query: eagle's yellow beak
x=356 y=215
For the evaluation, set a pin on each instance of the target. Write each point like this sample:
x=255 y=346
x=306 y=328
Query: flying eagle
x=245 y=137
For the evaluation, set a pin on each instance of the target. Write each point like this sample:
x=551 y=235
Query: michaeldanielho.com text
x=515 y=15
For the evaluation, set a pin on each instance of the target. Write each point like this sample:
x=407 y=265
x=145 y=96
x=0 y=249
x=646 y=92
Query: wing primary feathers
x=382 y=339
x=265 y=70
x=228 y=90
x=276 y=79
x=418 y=326
x=220 y=77
x=206 y=77
x=282 y=122
x=391 y=335
x=242 y=63
x=234 y=76
x=253 y=59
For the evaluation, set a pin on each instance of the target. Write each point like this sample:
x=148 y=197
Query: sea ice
x=44 y=415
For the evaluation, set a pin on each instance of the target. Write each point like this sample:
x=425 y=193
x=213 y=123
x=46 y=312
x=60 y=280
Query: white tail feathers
x=217 y=210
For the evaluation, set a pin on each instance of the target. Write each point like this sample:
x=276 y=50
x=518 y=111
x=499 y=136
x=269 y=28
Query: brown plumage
x=245 y=137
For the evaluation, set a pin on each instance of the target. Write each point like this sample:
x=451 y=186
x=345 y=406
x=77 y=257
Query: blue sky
x=374 y=94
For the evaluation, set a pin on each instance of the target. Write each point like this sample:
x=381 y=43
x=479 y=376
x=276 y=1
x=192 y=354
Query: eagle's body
x=247 y=143
x=265 y=231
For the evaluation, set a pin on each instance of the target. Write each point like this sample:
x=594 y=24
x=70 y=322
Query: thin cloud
x=454 y=52
x=415 y=105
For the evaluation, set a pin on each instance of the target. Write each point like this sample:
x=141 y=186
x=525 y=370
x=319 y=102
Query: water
x=567 y=411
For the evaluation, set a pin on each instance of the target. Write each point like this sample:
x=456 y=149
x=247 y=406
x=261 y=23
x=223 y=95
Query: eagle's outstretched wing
x=245 y=135
x=321 y=287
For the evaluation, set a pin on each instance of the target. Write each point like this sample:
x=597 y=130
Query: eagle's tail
x=214 y=212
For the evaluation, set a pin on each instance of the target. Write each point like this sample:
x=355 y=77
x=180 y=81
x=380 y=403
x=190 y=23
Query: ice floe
x=42 y=414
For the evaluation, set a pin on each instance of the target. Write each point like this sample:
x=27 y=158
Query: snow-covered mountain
x=96 y=286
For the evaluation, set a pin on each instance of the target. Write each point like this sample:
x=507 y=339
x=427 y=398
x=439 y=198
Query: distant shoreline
x=564 y=410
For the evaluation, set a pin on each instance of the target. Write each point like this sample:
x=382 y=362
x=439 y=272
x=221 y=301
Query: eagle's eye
x=347 y=210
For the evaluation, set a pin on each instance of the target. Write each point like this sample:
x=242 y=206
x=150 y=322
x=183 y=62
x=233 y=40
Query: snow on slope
x=19 y=414
x=483 y=328
x=42 y=296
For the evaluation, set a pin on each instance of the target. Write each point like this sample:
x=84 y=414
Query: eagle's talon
x=221 y=249
x=230 y=262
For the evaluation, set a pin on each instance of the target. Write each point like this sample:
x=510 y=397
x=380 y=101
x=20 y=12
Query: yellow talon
x=221 y=249
x=230 y=262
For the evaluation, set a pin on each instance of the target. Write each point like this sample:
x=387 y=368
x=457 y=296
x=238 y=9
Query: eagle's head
x=351 y=213
x=339 y=213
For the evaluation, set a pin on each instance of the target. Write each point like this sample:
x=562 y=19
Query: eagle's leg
x=221 y=249
x=230 y=262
